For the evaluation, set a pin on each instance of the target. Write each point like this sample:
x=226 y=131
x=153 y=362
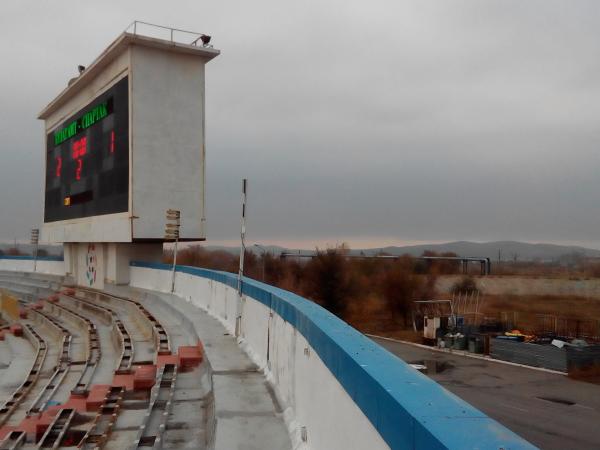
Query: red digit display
x=112 y=141
x=79 y=147
x=78 y=169
x=58 y=166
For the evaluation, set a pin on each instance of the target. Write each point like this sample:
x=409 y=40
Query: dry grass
x=581 y=269
x=403 y=335
x=575 y=316
x=375 y=296
x=371 y=316
x=568 y=306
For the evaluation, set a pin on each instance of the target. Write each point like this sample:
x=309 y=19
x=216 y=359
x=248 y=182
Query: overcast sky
x=371 y=122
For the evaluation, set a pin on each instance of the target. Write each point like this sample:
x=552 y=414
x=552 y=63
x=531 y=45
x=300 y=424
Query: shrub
x=400 y=287
x=465 y=284
x=328 y=279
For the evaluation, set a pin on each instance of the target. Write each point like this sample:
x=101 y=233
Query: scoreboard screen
x=87 y=159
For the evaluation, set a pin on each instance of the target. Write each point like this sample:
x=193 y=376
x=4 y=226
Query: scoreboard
x=87 y=159
x=125 y=142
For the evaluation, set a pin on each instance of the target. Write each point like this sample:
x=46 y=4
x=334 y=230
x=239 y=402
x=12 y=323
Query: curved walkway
x=16 y=358
x=246 y=411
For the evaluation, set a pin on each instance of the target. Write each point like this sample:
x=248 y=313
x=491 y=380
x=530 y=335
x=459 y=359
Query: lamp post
x=172 y=234
x=264 y=252
x=35 y=241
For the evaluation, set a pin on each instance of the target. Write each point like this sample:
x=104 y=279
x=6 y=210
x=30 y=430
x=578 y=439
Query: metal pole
x=242 y=237
x=35 y=240
x=238 y=318
x=37 y=245
x=172 y=226
x=174 y=264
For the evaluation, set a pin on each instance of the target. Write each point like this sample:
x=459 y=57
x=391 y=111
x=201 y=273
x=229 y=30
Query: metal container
x=476 y=344
x=460 y=343
x=448 y=341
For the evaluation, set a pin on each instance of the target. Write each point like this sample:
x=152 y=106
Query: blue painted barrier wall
x=409 y=410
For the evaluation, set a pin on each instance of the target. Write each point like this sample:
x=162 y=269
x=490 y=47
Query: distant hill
x=508 y=250
x=273 y=249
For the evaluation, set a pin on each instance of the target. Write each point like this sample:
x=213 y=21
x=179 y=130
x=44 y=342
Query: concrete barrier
x=341 y=390
x=48 y=265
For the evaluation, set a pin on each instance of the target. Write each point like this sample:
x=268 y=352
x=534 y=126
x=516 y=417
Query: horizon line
x=361 y=243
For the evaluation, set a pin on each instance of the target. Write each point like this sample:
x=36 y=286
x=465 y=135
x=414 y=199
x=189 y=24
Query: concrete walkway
x=246 y=413
x=16 y=358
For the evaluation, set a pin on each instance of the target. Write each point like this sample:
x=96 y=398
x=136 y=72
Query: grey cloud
x=414 y=120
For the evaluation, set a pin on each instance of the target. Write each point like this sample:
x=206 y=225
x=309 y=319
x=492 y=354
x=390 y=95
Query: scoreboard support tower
x=125 y=142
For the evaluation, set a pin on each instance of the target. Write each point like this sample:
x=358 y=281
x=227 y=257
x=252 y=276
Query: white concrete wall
x=26 y=265
x=91 y=265
x=119 y=255
x=312 y=396
x=111 y=261
x=167 y=126
x=305 y=384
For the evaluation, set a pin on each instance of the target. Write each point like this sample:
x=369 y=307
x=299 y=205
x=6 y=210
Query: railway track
x=94 y=352
x=67 y=316
x=125 y=341
x=151 y=431
x=57 y=429
x=163 y=344
x=104 y=421
x=61 y=370
x=13 y=441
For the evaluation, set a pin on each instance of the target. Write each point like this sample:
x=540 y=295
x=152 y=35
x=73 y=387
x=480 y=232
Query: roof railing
x=176 y=35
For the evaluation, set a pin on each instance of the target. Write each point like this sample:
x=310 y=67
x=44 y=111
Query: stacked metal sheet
x=547 y=356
